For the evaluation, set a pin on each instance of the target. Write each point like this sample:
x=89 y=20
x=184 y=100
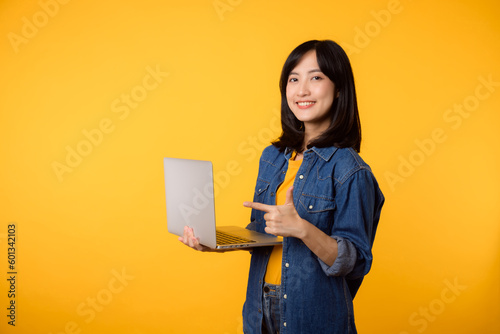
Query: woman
x=314 y=190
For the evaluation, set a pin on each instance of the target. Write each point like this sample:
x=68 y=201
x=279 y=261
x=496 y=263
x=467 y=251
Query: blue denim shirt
x=336 y=191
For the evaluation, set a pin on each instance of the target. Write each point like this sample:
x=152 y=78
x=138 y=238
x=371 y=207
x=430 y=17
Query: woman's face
x=310 y=93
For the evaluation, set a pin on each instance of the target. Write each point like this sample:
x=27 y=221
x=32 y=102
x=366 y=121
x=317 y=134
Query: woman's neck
x=298 y=156
x=308 y=138
x=313 y=131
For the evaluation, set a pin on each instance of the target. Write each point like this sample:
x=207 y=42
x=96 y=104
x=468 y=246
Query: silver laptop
x=189 y=189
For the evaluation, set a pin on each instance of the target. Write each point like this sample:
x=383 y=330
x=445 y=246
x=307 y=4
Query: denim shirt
x=336 y=191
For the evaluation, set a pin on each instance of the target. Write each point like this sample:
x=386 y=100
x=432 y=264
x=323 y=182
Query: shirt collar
x=324 y=153
x=288 y=153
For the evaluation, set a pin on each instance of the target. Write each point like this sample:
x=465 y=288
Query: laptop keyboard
x=228 y=239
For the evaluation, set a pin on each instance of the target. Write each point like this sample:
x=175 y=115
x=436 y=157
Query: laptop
x=189 y=189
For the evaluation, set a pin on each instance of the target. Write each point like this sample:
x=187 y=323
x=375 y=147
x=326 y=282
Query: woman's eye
x=317 y=78
x=292 y=80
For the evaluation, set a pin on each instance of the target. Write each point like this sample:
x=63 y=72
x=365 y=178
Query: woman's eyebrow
x=316 y=70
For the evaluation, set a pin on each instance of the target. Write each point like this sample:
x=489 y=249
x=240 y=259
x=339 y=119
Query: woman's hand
x=281 y=220
x=190 y=240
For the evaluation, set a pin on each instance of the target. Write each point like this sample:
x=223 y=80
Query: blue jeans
x=271 y=306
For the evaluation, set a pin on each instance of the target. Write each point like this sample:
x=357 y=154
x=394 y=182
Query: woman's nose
x=303 y=89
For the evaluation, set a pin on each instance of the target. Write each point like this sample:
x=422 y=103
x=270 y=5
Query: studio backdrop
x=94 y=94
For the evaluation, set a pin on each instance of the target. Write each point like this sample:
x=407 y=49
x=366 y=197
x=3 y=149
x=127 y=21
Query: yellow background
x=437 y=261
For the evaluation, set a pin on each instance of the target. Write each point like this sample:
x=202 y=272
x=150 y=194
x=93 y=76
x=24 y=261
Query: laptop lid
x=189 y=193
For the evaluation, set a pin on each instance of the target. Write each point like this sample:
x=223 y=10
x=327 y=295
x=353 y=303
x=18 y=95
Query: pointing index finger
x=258 y=206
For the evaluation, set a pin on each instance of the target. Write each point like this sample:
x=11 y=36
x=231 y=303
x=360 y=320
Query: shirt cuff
x=346 y=258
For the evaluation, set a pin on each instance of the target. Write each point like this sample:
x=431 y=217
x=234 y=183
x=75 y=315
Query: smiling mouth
x=305 y=104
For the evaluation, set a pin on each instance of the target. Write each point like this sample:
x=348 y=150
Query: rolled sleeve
x=345 y=261
x=356 y=218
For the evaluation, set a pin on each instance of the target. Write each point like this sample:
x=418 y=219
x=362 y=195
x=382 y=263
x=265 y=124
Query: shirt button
x=287 y=265
x=284 y=324
x=260 y=311
x=301 y=177
x=284 y=296
x=272 y=194
x=310 y=207
x=283 y=172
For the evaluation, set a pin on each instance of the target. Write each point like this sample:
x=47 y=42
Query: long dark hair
x=345 y=127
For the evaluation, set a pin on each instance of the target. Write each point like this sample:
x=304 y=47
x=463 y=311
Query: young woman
x=314 y=190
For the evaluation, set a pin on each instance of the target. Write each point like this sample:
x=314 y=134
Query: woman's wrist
x=304 y=229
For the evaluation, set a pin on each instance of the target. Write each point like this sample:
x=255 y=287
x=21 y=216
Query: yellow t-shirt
x=273 y=272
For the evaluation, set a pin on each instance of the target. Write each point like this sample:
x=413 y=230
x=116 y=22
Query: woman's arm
x=324 y=246
x=283 y=220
